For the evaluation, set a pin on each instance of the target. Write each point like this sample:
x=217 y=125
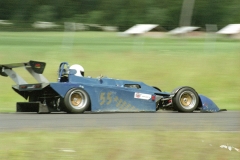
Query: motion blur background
x=119 y=13
x=88 y=32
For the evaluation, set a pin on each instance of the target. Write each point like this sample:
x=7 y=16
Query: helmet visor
x=82 y=73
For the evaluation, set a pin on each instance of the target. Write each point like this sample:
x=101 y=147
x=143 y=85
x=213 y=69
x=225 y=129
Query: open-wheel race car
x=74 y=93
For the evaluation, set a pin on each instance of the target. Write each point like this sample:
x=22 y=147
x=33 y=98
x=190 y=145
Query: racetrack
x=165 y=121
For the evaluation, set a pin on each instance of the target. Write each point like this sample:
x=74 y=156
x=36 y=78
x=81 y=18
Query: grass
x=115 y=144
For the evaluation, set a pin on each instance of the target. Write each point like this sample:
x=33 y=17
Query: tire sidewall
x=176 y=100
x=69 y=107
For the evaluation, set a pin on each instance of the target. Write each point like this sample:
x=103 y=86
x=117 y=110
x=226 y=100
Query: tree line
x=120 y=13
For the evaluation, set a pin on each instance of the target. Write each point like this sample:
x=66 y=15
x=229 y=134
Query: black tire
x=186 y=100
x=76 y=100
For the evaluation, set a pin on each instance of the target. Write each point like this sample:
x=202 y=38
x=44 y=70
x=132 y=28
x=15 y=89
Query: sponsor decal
x=142 y=96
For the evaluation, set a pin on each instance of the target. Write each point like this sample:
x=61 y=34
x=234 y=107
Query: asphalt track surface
x=228 y=121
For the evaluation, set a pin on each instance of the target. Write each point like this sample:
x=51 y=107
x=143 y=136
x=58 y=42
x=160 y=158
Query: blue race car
x=74 y=93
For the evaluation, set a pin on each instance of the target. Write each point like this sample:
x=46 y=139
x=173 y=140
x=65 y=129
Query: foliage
x=45 y=13
x=121 y=13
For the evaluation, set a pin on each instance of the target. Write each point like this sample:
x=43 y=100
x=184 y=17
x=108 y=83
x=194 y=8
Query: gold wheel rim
x=76 y=99
x=186 y=100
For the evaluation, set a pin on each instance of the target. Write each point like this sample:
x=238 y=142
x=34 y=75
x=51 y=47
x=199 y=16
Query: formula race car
x=74 y=93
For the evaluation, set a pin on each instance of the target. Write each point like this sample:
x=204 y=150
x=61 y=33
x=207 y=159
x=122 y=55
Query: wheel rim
x=188 y=100
x=77 y=99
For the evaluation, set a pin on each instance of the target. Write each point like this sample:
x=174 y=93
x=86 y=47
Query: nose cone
x=208 y=105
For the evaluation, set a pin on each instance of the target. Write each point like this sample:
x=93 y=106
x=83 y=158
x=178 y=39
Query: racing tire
x=186 y=100
x=76 y=101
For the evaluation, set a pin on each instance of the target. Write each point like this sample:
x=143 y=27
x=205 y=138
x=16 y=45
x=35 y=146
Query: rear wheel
x=186 y=100
x=76 y=101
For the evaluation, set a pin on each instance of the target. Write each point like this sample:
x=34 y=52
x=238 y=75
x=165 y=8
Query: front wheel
x=76 y=101
x=186 y=100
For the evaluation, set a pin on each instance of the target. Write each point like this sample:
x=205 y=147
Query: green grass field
x=118 y=145
x=211 y=67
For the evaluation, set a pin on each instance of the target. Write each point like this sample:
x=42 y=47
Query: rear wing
x=35 y=68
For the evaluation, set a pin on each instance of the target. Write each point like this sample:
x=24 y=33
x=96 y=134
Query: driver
x=79 y=69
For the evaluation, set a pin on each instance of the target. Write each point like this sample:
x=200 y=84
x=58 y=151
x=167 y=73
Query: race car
x=74 y=93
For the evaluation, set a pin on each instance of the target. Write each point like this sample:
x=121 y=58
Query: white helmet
x=79 y=69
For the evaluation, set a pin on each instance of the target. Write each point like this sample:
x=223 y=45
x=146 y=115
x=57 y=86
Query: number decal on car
x=102 y=98
x=110 y=98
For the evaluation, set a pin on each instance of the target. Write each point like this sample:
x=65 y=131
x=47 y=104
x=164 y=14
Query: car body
x=74 y=94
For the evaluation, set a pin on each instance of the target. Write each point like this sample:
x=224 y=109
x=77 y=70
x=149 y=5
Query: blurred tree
x=94 y=17
x=64 y=9
x=21 y=13
x=232 y=13
x=121 y=13
x=5 y=12
x=209 y=12
x=85 y=6
x=172 y=14
x=45 y=13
